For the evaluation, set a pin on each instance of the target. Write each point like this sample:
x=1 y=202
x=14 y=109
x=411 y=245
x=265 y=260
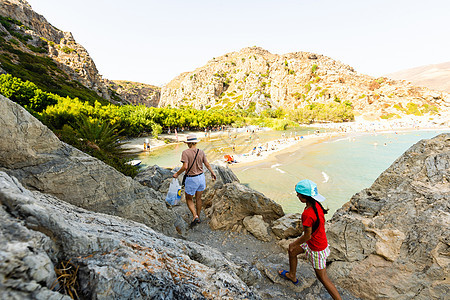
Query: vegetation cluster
x=98 y=128
x=320 y=112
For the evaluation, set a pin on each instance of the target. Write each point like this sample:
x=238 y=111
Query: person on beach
x=193 y=160
x=313 y=241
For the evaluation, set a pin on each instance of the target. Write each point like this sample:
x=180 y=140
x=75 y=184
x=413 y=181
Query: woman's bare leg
x=198 y=202
x=191 y=205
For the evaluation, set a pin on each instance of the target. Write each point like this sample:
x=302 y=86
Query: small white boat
x=135 y=162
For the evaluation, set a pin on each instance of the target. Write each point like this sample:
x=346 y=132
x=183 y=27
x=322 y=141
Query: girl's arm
x=306 y=236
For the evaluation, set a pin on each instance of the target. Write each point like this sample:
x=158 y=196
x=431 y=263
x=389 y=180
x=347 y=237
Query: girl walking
x=313 y=241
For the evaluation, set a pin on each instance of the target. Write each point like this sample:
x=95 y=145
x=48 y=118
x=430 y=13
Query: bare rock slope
x=109 y=257
x=33 y=154
x=136 y=93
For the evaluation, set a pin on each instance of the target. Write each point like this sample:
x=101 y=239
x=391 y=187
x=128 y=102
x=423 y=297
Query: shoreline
x=317 y=140
x=266 y=151
x=345 y=130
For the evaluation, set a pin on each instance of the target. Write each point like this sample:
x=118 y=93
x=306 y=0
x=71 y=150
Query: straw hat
x=191 y=138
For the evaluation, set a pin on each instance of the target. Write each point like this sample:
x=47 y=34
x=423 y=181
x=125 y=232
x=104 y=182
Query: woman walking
x=313 y=241
x=193 y=160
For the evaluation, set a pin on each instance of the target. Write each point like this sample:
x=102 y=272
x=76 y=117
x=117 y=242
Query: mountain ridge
x=136 y=93
x=297 y=79
x=433 y=76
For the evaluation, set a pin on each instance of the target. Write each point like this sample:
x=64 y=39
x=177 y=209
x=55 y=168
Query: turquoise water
x=341 y=167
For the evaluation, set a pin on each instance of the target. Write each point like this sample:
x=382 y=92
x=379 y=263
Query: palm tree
x=100 y=136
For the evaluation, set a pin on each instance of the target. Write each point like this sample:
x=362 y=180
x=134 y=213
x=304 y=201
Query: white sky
x=153 y=41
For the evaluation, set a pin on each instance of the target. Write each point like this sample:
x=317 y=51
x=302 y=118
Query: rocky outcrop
x=109 y=257
x=155 y=177
x=290 y=225
x=226 y=201
x=34 y=155
x=254 y=76
x=136 y=93
x=256 y=226
x=227 y=205
x=22 y=11
x=391 y=240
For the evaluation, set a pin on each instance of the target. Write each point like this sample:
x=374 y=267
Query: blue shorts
x=195 y=184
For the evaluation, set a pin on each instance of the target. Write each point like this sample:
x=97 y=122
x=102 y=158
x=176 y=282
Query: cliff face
x=391 y=240
x=38 y=37
x=136 y=93
x=254 y=75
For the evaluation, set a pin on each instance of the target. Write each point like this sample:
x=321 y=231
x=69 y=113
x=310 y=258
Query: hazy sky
x=153 y=41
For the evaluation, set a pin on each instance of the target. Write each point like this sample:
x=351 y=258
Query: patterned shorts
x=318 y=259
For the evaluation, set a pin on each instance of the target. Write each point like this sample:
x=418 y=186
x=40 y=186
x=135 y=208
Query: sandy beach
x=136 y=145
x=343 y=130
x=320 y=133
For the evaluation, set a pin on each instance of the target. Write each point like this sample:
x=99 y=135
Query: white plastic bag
x=174 y=194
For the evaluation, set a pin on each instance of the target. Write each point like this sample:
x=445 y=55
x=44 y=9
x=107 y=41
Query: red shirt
x=318 y=241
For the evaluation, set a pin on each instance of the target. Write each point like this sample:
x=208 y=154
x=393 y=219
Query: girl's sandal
x=283 y=275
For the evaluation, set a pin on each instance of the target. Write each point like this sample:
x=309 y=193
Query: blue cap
x=308 y=188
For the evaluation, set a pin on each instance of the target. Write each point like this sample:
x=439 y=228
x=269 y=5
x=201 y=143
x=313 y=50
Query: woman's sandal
x=195 y=222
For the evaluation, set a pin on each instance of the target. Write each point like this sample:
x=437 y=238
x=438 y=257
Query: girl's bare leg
x=323 y=277
x=293 y=251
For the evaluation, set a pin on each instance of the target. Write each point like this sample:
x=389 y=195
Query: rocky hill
x=136 y=93
x=436 y=77
x=27 y=43
x=254 y=76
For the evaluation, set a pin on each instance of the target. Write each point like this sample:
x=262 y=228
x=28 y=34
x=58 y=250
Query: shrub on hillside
x=320 y=112
x=25 y=93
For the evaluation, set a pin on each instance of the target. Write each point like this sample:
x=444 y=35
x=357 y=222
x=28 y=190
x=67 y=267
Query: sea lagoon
x=341 y=166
